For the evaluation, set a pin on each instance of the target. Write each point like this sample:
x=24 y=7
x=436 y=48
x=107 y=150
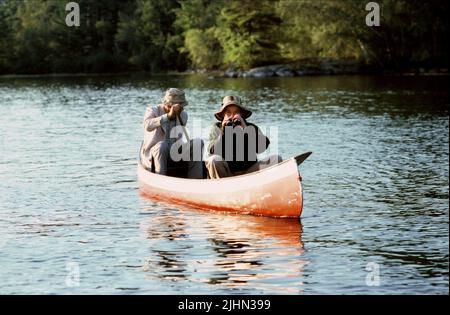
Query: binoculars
x=233 y=123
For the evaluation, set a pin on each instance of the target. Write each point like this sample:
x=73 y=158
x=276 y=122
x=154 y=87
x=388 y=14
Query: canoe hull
x=274 y=192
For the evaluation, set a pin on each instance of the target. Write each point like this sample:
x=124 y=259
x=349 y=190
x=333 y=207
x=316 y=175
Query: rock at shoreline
x=270 y=71
x=319 y=66
x=284 y=72
x=231 y=73
x=260 y=72
x=311 y=66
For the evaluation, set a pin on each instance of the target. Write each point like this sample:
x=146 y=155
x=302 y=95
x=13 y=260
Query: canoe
x=275 y=191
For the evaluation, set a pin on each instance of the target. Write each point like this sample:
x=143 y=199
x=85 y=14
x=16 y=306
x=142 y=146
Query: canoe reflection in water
x=227 y=251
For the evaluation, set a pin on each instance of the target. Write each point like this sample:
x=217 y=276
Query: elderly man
x=235 y=143
x=159 y=148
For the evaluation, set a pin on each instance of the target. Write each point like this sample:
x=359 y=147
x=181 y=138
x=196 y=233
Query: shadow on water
x=225 y=250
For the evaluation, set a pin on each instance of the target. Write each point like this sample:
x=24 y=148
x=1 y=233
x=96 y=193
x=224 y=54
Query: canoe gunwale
x=298 y=159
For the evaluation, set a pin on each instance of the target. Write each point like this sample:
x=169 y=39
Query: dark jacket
x=217 y=143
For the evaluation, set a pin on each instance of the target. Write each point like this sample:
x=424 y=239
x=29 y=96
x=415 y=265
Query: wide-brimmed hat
x=174 y=96
x=232 y=100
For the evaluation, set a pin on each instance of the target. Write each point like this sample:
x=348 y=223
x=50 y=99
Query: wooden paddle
x=184 y=128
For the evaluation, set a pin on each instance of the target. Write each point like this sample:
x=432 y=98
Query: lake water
x=376 y=189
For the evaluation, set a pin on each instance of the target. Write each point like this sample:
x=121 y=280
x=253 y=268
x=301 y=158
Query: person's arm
x=215 y=137
x=152 y=121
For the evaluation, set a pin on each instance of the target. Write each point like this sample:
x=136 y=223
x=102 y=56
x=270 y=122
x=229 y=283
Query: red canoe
x=275 y=191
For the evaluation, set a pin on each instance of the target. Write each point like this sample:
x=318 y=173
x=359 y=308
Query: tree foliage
x=247 y=30
x=158 y=35
x=150 y=38
x=205 y=51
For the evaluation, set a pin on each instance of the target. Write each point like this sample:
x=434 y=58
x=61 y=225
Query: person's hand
x=239 y=117
x=174 y=111
x=178 y=108
x=225 y=122
x=171 y=114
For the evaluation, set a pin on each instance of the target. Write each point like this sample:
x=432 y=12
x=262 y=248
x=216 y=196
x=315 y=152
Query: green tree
x=43 y=43
x=412 y=32
x=203 y=48
x=149 y=36
x=198 y=14
x=247 y=31
x=154 y=35
x=7 y=15
x=197 y=19
x=32 y=37
x=100 y=21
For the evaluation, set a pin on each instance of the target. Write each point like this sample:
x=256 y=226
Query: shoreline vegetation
x=278 y=70
x=316 y=67
x=233 y=39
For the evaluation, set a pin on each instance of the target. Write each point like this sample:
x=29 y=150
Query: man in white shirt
x=158 y=123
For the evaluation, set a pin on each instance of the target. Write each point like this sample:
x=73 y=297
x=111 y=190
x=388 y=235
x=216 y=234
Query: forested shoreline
x=219 y=35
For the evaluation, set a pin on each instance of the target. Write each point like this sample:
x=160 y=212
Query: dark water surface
x=376 y=190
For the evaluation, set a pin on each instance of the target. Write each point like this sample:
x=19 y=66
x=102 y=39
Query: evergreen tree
x=247 y=31
x=197 y=18
x=155 y=35
x=150 y=36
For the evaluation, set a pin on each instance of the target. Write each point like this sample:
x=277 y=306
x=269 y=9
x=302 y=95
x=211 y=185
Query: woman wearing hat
x=233 y=132
x=158 y=124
